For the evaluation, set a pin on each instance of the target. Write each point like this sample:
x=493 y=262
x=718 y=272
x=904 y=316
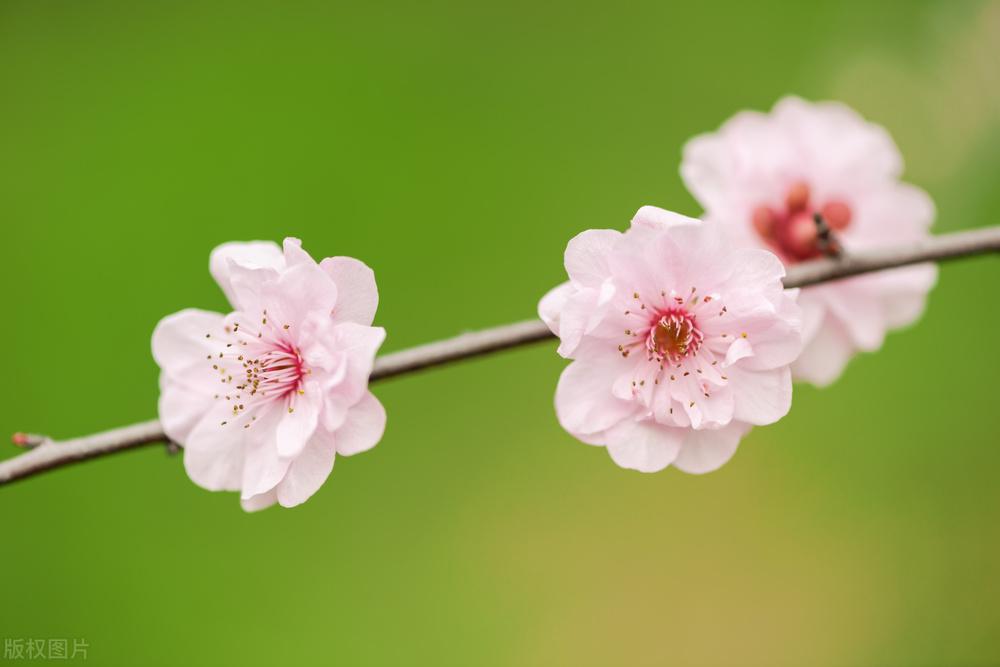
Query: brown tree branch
x=45 y=453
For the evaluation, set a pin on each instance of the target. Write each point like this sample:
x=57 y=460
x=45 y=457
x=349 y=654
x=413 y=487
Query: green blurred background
x=456 y=147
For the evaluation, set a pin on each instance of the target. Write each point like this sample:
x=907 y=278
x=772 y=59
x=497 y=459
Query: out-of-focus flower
x=680 y=343
x=764 y=176
x=264 y=398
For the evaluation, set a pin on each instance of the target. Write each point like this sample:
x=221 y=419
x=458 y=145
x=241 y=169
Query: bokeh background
x=456 y=147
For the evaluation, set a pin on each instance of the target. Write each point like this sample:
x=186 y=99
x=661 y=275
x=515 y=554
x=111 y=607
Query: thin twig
x=45 y=453
x=936 y=248
x=51 y=454
x=472 y=344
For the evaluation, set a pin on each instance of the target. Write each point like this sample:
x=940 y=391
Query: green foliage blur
x=456 y=147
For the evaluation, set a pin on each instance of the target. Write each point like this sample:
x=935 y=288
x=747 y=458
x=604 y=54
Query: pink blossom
x=763 y=176
x=679 y=342
x=264 y=398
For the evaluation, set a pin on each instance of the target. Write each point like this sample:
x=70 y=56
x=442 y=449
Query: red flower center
x=674 y=336
x=792 y=231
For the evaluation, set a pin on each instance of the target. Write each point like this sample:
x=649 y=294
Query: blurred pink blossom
x=679 y=342
x=264 y=398
x=763 y=176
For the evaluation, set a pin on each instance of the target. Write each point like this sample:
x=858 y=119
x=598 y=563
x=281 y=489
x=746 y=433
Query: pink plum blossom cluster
x=264 y=398
x=680 y=332
x=680 y=342
x=764 y=176
x=680 y=335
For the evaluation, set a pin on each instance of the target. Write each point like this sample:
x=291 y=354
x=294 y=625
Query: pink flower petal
x=363 y=427
x=760 y=397
x=359 y=343
x=214 y=454
x=250 y=255
x=297 y=426
x=584 y=403
x=904 y=293
x=643 y=445
x=552 y=305
x=834 y=137
x=825 y=356
x=580 y=314
x=587 y=256
x=294 y=254
x=654 y=217
x=182 y=341
x=263 y=466
x=260 y=501
x=309 y=470
x=299 y=291
x=707 y=450
x=180 y=409
x=357 y=293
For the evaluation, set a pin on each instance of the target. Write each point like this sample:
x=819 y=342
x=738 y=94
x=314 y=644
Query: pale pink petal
x=837 y=140
x=813 y=312
x=582 y=311
x=643 y=445
x=773 y=334
x=594 y=439
x=688 y=403
x=214 y=453
x=694 y=255
x=553 y=303
x=359 y=343
x=299 y=291
x=859 y=311
x=309 y=470
x=753 y=267
x=363 y=427
x=181 y=343
x=704 y=169
x=761 y=397
x=747 y=161
x=296 y=427
x=180 y=409
x=738 y=349
x=888 y=215
x=250 y=255
x=263 y=467
x=318 y=352
x=654 y=217
x=587 y=256
x=707 y=450
x=357 y=294
x=825 y=356
x=356 y=345
x=346 y=352
x=905 y=293
x=294 y=254
x=260 y=501
x=635 y=381
x=717 y=406
x=247 y=286
x=335 y=409
x=584 y=403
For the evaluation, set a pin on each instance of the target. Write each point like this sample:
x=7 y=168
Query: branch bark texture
x=45 y=453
